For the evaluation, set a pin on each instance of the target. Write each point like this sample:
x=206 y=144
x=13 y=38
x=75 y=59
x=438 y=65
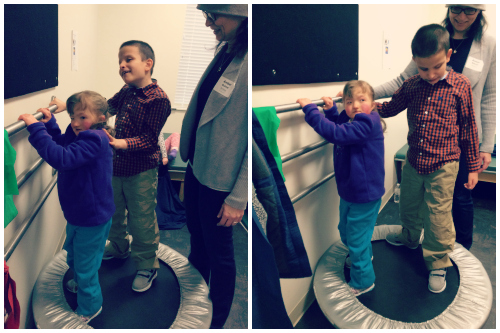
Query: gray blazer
x=221 y=151
x=483 y=85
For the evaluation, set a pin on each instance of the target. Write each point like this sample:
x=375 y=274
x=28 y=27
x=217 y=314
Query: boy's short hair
x=145 y=50
x=353 y=84
x=429 y=40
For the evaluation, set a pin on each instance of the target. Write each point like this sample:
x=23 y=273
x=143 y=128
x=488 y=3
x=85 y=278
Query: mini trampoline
x=401 y=299
x=178 y=298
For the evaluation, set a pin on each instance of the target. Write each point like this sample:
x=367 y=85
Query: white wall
x=101 y=30
x=317 y=214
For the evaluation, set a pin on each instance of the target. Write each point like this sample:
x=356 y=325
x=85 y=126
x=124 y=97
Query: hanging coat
x=170 y=212
x=282 y=229
x=10 y=182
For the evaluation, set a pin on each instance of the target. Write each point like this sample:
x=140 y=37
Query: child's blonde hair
x=95 y=103
x=365 y=88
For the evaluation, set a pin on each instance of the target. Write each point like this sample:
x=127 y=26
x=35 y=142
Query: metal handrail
x=20 y=125
x=22 y=178
x=312 y=187
x=9 y=249
x=303 y=150
x=296 y=106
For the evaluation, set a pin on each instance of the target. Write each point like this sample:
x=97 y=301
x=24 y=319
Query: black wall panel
x=296 y=44
x=30 y=48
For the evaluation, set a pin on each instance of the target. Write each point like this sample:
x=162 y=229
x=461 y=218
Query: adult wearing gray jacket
x=214 y=142
x=474 y=55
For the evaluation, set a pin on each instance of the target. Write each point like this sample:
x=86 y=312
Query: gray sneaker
x=437 y=280
x=143 y=279
x=72 y=286
x=395 y=239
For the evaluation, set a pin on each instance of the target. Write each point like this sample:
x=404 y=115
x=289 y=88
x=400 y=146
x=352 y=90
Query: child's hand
x=303 y=102
x=473 y=179
x=340 y=94
x=165 y=160
x=28 y=119
x=116 y=143
x=328 y=103
x=61 y=106
x=46 y=114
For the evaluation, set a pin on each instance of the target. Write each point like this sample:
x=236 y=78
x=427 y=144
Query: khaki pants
x=137 y=195
x=426 y=202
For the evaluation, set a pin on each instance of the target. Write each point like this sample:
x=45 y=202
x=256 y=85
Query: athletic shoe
x=87 y=319
x=437 y=280
x=72 y=286
x=395 y=239
x=358 y=292
x=348 y=261
x=143 y=279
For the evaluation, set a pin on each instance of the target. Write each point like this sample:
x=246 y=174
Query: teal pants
x=357 y=221
x=85 y=247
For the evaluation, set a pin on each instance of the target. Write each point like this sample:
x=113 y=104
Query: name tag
x=224 y=86
x=474 y=64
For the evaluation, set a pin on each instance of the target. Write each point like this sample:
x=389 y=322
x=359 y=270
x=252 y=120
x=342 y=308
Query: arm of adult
x=488 y=114
x=387 y=89
x=61 y=105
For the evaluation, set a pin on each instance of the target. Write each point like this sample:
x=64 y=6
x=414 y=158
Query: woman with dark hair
x=214 y=142
x=474 y=55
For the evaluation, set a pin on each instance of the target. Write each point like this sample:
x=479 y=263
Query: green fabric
x=270 y=122
x=10 y=181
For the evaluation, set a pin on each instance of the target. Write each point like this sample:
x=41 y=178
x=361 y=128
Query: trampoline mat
x=401 y=280
x=124 y=308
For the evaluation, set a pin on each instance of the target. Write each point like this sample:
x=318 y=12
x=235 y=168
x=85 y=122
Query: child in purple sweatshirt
x=84 y=160
x=357 y=133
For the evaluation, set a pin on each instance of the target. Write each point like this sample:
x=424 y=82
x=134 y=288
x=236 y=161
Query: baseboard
x=301 y=308
x=386 y=197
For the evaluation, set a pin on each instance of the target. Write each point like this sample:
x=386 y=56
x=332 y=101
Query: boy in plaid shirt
x=441 y=123
x=141 y=108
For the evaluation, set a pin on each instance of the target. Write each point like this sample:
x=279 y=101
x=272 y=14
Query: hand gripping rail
x=20 y=125
x=305 y=149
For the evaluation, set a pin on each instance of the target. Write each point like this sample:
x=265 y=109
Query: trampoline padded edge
x=469 y=309
x=51 y=311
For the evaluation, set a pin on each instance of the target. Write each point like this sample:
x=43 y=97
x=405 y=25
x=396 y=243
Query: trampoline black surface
x=124 y=308
x=401 y=292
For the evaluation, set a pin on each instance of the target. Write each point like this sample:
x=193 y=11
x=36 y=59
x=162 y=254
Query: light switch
x=74 y=50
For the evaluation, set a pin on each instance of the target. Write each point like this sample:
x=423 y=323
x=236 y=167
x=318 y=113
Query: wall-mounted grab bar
x=9 y=249
x=312 y=187
x=303 y=150
x=296 y=106
x=20 y=125
x=22 y=178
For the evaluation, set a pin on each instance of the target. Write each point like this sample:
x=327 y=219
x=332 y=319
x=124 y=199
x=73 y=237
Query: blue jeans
x=85 y=247
x=212 y=251
x=463 y=207
x=357 y=221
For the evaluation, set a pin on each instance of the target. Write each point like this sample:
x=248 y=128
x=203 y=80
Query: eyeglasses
x=210 y=16
x=466 y=10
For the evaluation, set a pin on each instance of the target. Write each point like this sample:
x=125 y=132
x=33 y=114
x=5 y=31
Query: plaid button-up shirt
x=140 y=116
x=440 y=119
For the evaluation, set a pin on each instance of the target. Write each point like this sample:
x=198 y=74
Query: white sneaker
x=87 y=319
x=437 y=280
